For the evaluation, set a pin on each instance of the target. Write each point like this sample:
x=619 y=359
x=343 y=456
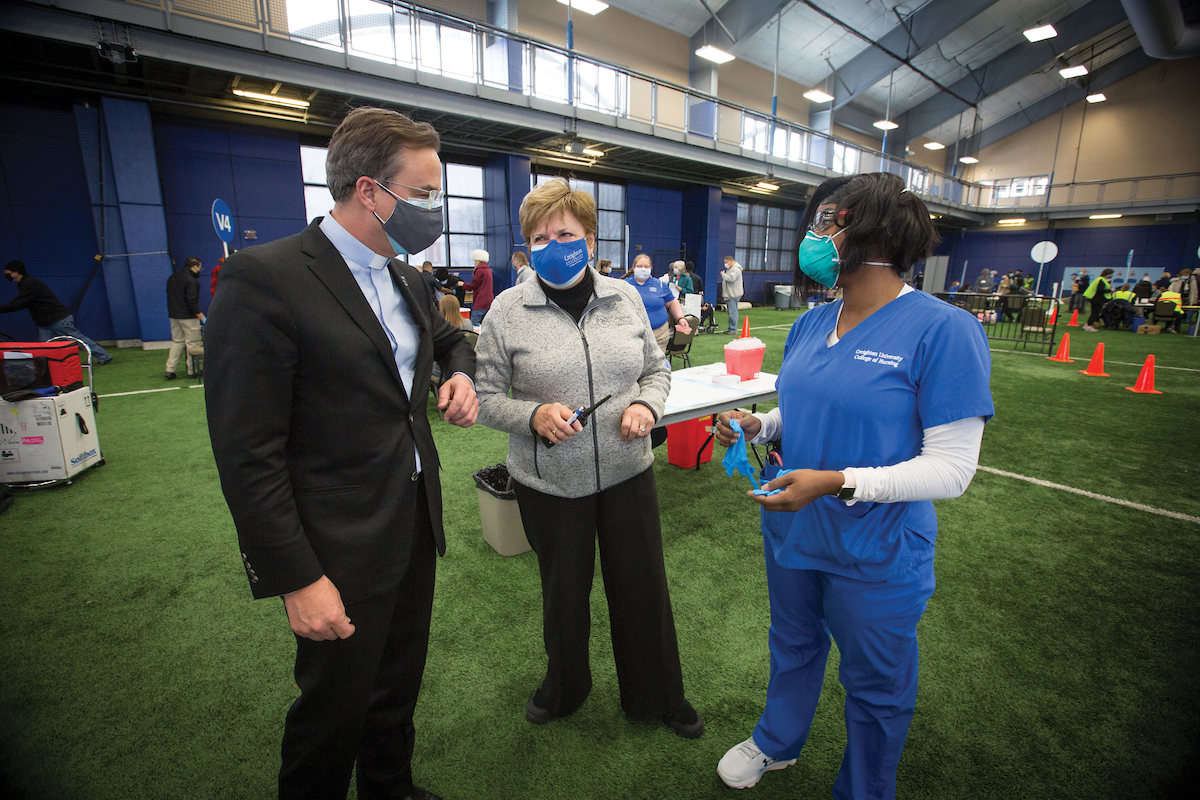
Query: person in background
x=212 y=289
x=954 y=287
x=605 y=267
x=680 y=279
x=183 y=307
x=661 y=306
x=849 y=550
x=1098 y=293
x=553 y=345
x=341 y=513
x=731 y=282
x=520 y=263
x=919 y=281
x=1144 y=288
x=451 y=311
x=1120 y=310
x=1187 y=286
x=432 y=287
x=983 y=285
x=49 y=315
x=450 y=283
x=697 y=281
x=1163 y=281
x=1170 y=295
x=480 y=286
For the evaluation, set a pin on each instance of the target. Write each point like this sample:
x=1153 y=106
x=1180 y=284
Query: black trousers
x=357 y=695
x=1097 y=307
x=563 y=533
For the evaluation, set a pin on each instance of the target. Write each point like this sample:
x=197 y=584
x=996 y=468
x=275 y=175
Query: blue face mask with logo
x=819 y=258
x=559 y=264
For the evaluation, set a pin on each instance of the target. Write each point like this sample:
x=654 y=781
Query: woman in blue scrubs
x=883 y=397
x=659 y=300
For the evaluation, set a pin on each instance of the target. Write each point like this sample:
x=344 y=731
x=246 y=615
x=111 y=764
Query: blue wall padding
x=46 y=216
x=505 y=184
x=702 y=234
x=256 y=171
x=1156 y=248
x=106 y=221
x=139 y=198
x=654 y=215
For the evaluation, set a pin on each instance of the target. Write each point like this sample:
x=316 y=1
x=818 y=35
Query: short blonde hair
x=553 y=196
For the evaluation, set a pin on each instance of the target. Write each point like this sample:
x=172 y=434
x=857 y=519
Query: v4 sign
x=222 y=220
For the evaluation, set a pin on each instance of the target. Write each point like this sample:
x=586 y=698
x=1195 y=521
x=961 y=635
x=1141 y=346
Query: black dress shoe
x=535 y=713
x=685 y=721
x=170 y=376
x=421 y=794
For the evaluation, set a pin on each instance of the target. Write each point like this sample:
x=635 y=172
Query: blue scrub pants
x=875 y=627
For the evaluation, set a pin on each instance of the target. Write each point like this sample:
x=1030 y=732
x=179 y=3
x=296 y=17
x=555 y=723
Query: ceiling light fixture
x=934 y=146
x=593 y=152
x=714 y=54
x=1073 y=72
x=885 y=125
x=770 y=187
x=271 y=98
x=1013 y=221
x=1105 y=216
x=592 y=7
x=817 y=96
x=968 y=160
x=1038 y=34
x=1098 y=97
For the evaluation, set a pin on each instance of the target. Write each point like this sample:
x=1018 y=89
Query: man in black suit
x=319 y=351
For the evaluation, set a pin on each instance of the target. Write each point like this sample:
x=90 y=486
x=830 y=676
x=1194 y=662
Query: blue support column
x=143 y=223
x=702 y=233
x=505 y=184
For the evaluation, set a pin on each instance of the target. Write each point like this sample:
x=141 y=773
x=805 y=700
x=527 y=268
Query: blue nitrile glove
x=735 y=456
x=763 y=491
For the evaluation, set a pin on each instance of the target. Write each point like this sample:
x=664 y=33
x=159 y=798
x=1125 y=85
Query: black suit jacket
x=312 y=429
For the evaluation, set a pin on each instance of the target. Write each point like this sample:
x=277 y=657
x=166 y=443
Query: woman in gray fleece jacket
x=547 y=347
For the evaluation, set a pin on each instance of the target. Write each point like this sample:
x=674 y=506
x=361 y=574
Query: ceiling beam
x=921 y=30
x=742 y=18
x=1006 y=69
x=1118 y=70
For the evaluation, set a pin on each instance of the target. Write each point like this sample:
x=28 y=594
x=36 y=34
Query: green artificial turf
x=1059 y=652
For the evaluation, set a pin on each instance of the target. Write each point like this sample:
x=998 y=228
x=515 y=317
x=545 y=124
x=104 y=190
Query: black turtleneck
x=574 y=299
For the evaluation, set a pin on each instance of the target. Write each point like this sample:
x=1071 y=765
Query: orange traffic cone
x=1145 y=381
x=1064 y=351
x=1074 y=323
x=745 y=328
x=1053 y=315
x=1096 y=365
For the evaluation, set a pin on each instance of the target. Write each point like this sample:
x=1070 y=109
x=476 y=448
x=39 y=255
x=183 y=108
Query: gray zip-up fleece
x=532 y=347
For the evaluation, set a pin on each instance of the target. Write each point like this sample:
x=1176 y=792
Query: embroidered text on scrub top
x=375 y=280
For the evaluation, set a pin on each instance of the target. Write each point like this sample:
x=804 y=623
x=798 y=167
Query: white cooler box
x=48 y=439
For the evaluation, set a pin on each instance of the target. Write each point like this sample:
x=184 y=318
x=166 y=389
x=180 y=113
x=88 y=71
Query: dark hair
x=191 y=261
x=820 y=195
x=372 y=142
x=881 y=218
x=17 y=266
x=1106 y=273
x=689 y=266
x=441 y=273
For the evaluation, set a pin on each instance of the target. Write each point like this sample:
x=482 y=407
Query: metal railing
x=430 y=42
x=1024 y=319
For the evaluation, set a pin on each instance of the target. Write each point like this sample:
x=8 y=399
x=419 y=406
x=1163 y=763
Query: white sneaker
x=744 y=764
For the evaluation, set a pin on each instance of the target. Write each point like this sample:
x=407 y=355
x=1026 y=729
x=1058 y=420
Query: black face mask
x=8 y=277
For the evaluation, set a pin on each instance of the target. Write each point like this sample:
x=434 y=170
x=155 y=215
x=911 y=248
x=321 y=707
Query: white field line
x=152 y=391
x=1105 y=498
x=1085 y=358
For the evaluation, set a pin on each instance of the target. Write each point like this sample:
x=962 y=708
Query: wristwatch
x=846 y=493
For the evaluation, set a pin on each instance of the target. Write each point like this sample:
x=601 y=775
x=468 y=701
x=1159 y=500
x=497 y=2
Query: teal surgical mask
x=819 y=258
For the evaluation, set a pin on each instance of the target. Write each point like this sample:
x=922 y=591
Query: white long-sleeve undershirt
x=948 y=459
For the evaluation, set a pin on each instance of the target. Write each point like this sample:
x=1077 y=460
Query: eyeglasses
x=823 y=220
x=429 y=199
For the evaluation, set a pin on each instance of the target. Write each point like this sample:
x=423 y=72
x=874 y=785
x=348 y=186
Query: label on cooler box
x=87 y=455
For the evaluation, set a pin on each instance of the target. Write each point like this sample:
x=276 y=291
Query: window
x=317 y=199
x=845 y=159
x=464 y=226
x=766 y=237
x=610 y=216
x=756 y=133
x=602 y=88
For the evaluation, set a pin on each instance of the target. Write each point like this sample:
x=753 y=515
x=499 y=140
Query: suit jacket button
x=414 y=477
x=254 y=579
x=412 y=417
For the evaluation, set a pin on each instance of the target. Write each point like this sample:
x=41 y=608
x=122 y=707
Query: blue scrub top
x=655 y=296
x=916 y=363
